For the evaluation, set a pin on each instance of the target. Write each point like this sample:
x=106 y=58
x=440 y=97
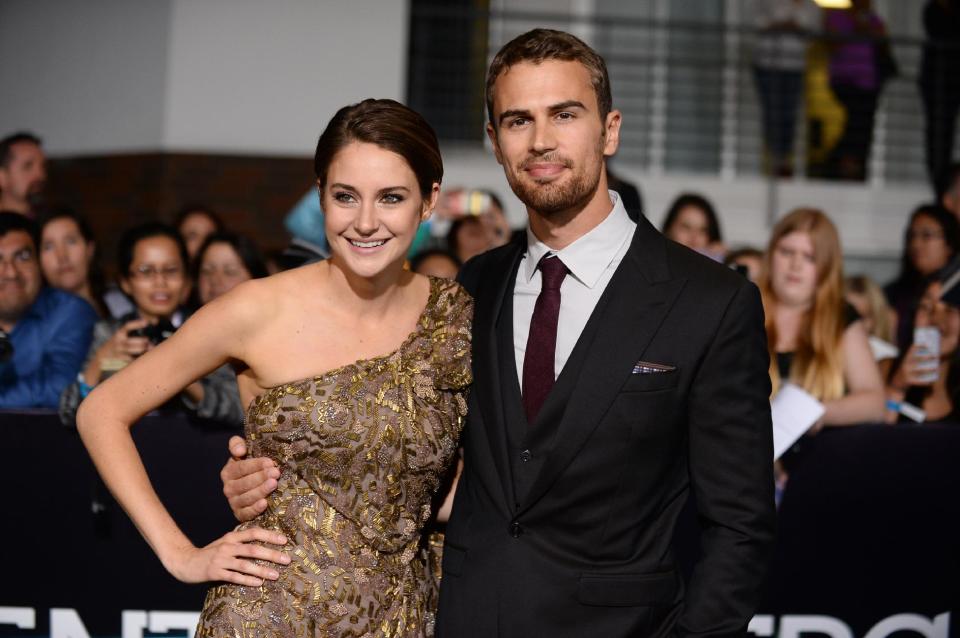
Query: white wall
x=233 y=76
x=247 y=76
x=88 y=77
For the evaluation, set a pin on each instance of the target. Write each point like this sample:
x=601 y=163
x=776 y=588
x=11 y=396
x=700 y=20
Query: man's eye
x=565 y=115
x=24 y=255
x=517 y=121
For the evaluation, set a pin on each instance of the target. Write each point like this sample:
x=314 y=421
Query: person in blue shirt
x=45 y=332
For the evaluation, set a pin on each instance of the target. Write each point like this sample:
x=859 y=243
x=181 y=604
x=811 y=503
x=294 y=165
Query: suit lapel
x=489 y=371
x=625 y=320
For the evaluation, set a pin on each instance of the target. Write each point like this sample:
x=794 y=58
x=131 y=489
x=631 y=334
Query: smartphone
x=927 y=340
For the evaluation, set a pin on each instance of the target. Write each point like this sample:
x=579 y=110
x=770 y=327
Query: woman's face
x=157 y=279
x=690 y=228
x=932 y=311
x=194 y=229
x=926 y=246
x=793 y=270
x=65 y=255
x=372 y=207
x=221 y=269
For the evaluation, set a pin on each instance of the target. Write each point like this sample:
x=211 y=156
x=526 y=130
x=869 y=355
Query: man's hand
x=247 y=482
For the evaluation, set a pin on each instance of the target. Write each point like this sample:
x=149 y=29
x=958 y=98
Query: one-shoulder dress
x=362 y=450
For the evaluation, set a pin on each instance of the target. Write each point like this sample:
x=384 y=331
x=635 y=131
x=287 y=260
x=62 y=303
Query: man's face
x=19 y=275
x=548 y=136
x=25 y=174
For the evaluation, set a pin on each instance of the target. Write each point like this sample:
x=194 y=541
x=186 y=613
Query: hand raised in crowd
x=247 y=482
x=916 y=367
x=229 y=559
x=122 y=346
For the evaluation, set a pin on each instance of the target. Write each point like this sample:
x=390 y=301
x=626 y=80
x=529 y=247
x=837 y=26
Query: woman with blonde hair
x=816 y=339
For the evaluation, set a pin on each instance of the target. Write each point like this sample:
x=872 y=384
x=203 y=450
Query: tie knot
x=553 y=271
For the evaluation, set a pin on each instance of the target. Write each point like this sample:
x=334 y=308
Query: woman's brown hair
x=818 y=358
x=389 y=125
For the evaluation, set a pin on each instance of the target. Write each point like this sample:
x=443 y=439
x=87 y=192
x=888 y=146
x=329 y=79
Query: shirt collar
x=590 y=255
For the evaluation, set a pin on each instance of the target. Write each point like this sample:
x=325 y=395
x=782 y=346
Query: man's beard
x=551 y=198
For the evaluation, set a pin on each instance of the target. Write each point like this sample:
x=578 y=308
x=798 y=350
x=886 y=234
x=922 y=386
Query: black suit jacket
x=564 y=527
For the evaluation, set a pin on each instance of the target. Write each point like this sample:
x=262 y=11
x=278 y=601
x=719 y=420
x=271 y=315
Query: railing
x=686 y=89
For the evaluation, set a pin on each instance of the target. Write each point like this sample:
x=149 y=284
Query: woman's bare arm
x=864 y=401
x=216 y=333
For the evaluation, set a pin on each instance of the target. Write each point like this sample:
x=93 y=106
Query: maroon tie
x=538 y=362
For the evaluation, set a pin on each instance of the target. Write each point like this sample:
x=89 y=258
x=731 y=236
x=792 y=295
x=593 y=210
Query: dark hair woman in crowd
x=931 y=240
x=436 y=262
x=692 y=221
x=152 y=269
x=195 y=222
x=936 y=393
x=224 y=261
x=473 y=234
x=355 y=370
x=69 y=261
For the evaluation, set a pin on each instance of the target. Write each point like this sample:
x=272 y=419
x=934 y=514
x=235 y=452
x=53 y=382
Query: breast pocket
x=651 y=382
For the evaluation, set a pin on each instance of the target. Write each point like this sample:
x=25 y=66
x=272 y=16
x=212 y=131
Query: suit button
x=526 y=456
x=515 y=529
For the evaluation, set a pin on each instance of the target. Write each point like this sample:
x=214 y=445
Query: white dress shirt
x=591 y=261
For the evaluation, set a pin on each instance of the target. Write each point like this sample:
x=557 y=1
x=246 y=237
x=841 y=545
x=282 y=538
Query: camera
x=154 y=332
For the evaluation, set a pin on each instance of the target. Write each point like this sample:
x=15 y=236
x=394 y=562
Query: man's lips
x=540 y=170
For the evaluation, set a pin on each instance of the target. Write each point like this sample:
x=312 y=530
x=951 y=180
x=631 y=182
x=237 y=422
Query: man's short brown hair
x=548 y=44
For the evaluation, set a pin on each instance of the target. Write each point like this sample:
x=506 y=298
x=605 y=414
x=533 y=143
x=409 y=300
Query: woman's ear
x=430 y=203
x=125 y=286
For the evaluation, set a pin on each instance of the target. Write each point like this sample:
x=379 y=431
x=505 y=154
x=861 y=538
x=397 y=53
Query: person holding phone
x=928 y=375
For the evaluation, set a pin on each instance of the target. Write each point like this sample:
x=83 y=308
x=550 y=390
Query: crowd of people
x=845 y=339
x=365 y=445
x=66 y=327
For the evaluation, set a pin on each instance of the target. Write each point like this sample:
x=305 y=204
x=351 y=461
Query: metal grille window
x=682 y=74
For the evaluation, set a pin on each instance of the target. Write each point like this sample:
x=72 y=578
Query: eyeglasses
x=148 y=271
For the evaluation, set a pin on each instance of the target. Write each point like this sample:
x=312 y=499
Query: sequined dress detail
x=362 y=450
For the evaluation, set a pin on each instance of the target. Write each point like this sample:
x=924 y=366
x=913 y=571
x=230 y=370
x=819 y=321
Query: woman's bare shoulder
x=255 y=301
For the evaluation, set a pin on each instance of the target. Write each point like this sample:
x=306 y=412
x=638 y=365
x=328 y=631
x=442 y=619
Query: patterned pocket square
x=648 y=367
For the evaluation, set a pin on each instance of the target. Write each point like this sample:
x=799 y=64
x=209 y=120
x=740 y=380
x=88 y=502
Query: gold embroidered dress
x=362 y=450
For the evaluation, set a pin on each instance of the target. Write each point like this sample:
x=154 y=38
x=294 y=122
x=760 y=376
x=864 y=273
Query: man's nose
x=7 y=269
x=544 y=138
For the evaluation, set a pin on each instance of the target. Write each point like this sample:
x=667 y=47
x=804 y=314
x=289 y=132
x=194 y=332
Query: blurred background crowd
x=155 y=155
x=84 y=291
